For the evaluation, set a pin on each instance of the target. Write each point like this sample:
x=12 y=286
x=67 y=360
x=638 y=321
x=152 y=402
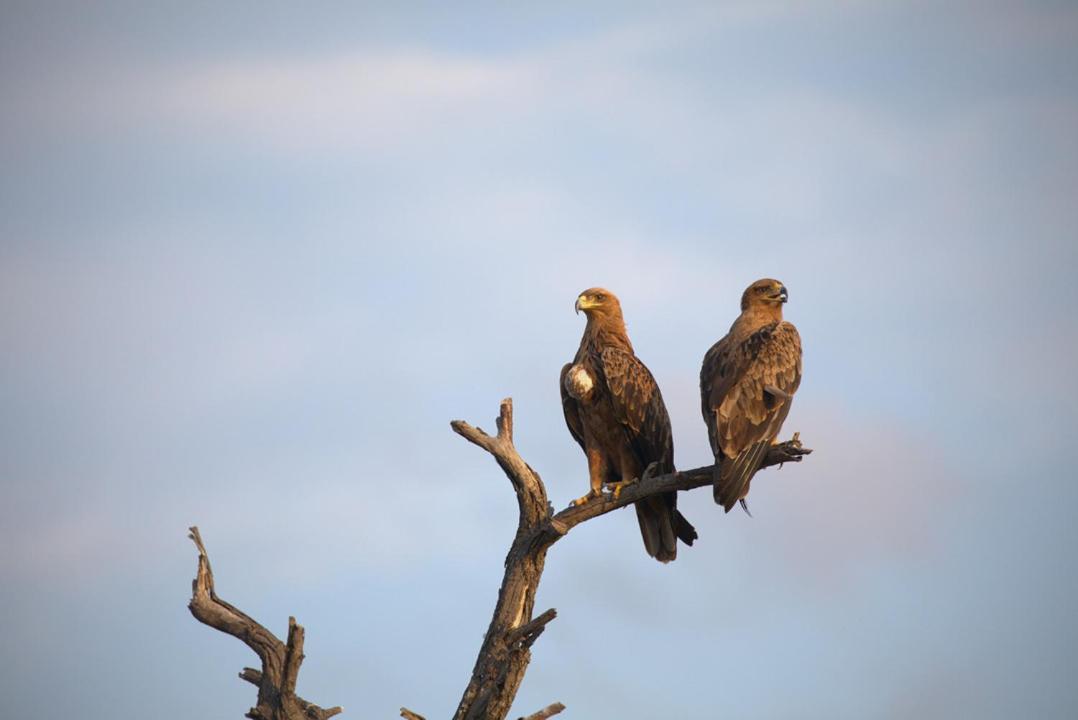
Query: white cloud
x=364 y=100
x=383 y=98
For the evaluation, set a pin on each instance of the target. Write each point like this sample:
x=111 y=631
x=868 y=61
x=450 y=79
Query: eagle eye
x=600 y=297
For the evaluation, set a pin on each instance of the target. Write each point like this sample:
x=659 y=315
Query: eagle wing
x=638 y=406
x=715 y=380
x=746 y=391
x=571 y=409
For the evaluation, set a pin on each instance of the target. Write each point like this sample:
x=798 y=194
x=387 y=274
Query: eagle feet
x=649 y=472
x=790 y=451
x=583 y=499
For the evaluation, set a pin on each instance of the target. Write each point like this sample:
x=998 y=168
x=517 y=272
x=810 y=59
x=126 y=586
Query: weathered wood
x=534 y=628
x=504 y=654
x=277 y=699
x=548 y=711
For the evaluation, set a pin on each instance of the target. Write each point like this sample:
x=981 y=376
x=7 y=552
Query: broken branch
x=277 y=699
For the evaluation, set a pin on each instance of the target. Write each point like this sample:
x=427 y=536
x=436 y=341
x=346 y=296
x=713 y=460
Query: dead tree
x=505 y=652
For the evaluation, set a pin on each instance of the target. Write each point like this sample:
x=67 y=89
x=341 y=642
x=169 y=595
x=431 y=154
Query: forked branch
x=277 y=699
x=505 y=653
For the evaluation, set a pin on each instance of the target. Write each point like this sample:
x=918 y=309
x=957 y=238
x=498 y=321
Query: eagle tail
x=732 y=475
x=661 y=525
x=650 y=531
x=684 y=529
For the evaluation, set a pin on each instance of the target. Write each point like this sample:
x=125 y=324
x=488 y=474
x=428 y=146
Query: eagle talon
x=617 y=487
x=584 y=498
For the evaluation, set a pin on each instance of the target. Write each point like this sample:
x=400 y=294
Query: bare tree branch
x=548 y=711
x=277 y=699
x=530 y=631
x=505 y=653
x=790 y=451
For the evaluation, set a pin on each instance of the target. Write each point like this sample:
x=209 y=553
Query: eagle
x=614 y=409
x=747 y=383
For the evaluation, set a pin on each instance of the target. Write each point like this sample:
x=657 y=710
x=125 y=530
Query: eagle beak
x=577 y=306
x=783 y=295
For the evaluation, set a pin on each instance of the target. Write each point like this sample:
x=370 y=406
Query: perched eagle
x=614 y=409
x=747 y=384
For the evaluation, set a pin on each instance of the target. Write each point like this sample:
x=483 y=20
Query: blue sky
x=254 y=259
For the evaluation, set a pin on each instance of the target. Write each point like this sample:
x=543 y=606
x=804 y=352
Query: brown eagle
x=614 y=409
x=747 y=384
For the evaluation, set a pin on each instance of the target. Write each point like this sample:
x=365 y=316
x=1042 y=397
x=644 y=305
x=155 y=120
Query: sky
x=254 y=259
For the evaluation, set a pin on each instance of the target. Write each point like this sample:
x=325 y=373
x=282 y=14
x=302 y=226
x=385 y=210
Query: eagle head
x=598 y=302
x=764 y=293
